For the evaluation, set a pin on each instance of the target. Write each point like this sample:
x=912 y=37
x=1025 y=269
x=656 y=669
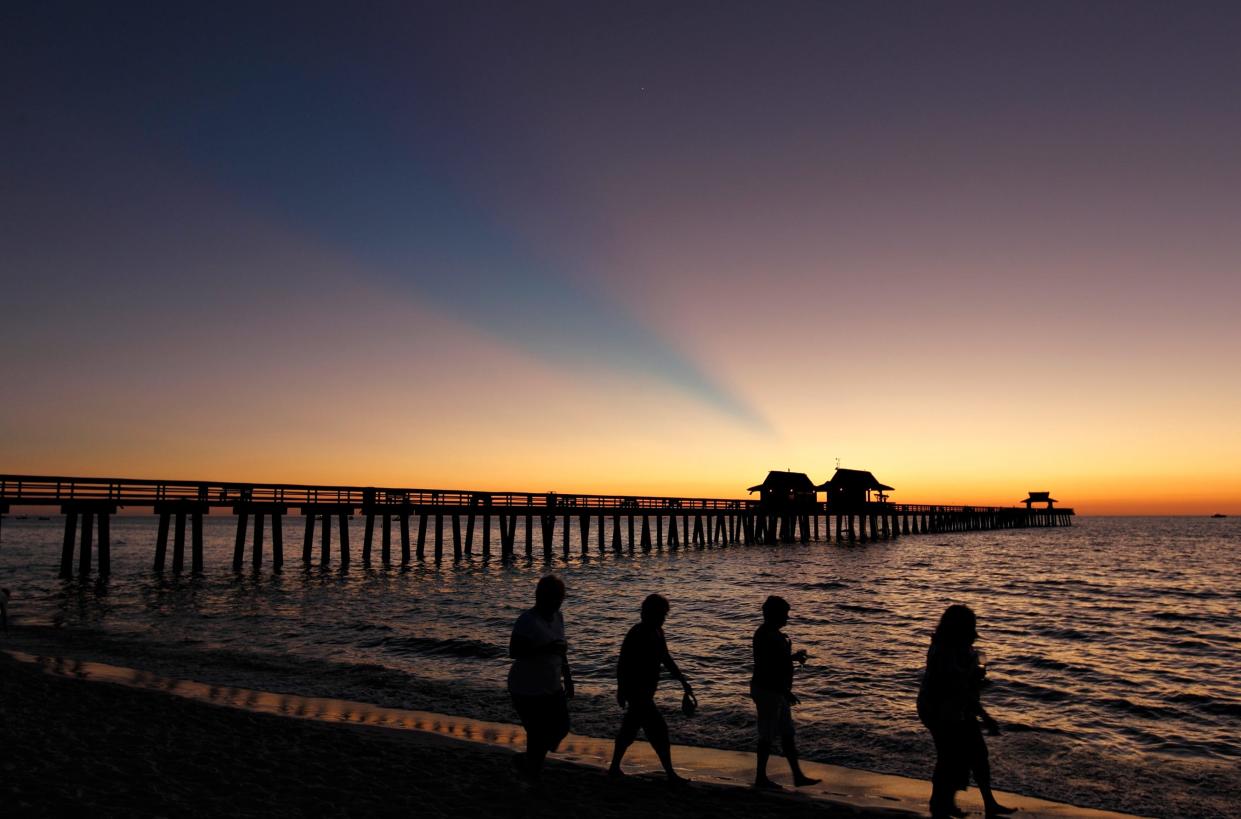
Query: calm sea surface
x=1113 y=645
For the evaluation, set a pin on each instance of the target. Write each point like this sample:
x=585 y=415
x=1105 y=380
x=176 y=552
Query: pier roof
x=777 y=480
x=1040 y=497
x=854 y=478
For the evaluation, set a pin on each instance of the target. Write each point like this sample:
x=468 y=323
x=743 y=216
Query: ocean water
x=1113 y=646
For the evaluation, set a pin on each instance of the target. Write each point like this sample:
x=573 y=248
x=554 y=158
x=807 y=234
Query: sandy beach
x=122 y=742
x=92 y=748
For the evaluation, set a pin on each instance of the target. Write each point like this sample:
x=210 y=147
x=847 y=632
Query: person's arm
x=671 y=665
x=988 y=722
x=786 y=662
x=566 y=675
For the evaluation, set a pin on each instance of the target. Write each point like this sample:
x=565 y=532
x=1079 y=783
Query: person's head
x=655 y=609
x=957 y=626
x=775 y=610
x=549 y=594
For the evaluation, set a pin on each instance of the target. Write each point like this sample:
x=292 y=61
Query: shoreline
x=575 y=782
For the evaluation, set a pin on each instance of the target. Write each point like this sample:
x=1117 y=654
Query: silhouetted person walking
x=771 y=688
x=539 y=680
x=950 y=708
x=637 y=677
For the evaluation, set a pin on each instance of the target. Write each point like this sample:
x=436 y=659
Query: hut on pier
x=786 y=493
x=852 y=489
x=1040 y=497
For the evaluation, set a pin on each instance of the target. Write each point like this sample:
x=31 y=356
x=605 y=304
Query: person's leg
x=764 y=707
x=789 y=743
x=656 y=729
x=980 y=763
x=624 y=738
x=946 y=776
x=529 y=761
x=548 y=725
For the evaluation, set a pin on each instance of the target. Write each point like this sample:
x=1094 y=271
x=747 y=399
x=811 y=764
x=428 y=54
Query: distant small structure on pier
x=1040 y=497
x=851 y=489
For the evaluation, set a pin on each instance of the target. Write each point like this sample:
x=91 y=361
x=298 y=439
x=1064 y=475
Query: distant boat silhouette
x=1218 y=515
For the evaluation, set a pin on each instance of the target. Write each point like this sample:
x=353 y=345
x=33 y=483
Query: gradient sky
x=976 y=248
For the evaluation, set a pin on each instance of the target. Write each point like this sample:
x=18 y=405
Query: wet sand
x=75 y=747
x=119 y=741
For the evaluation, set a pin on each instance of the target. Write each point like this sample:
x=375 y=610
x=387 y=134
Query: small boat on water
x=1218 y=515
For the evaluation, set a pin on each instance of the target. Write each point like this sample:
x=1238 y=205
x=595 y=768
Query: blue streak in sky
x=356 y=178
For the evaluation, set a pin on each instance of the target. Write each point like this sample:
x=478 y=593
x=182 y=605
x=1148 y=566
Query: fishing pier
x=787 y=510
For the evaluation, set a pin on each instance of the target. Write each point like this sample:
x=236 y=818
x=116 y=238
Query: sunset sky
x=656 y=248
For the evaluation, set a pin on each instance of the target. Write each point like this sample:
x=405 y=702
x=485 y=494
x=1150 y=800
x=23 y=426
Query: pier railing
x=43 y=490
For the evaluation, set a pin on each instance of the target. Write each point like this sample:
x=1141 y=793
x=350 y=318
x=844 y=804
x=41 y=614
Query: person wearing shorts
x=771 y=688
x=643 y=653
x=539 y=680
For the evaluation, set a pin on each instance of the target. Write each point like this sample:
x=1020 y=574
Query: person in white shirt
x=539 y=680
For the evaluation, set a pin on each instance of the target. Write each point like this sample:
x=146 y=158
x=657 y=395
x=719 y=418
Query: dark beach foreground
x=112 y=740
x=72 y=747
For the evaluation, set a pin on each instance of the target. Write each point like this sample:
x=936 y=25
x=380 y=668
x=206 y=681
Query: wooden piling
x=422 y=534
x=239 y=544
x=178 y=541
x=71 y=534
x=404 y=522
x=161 y=541
x=547 y=524
x=309 y=538
x=325 y=540
x=583 y=526
x=368 y=534
x=505 y=546
x=277 y=540
x=84 y=556
x=344 y=536
x=456 y=537
x=257 y=554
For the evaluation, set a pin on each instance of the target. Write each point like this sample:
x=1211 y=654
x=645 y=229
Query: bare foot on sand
x=804 y=781
x=766 y=784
